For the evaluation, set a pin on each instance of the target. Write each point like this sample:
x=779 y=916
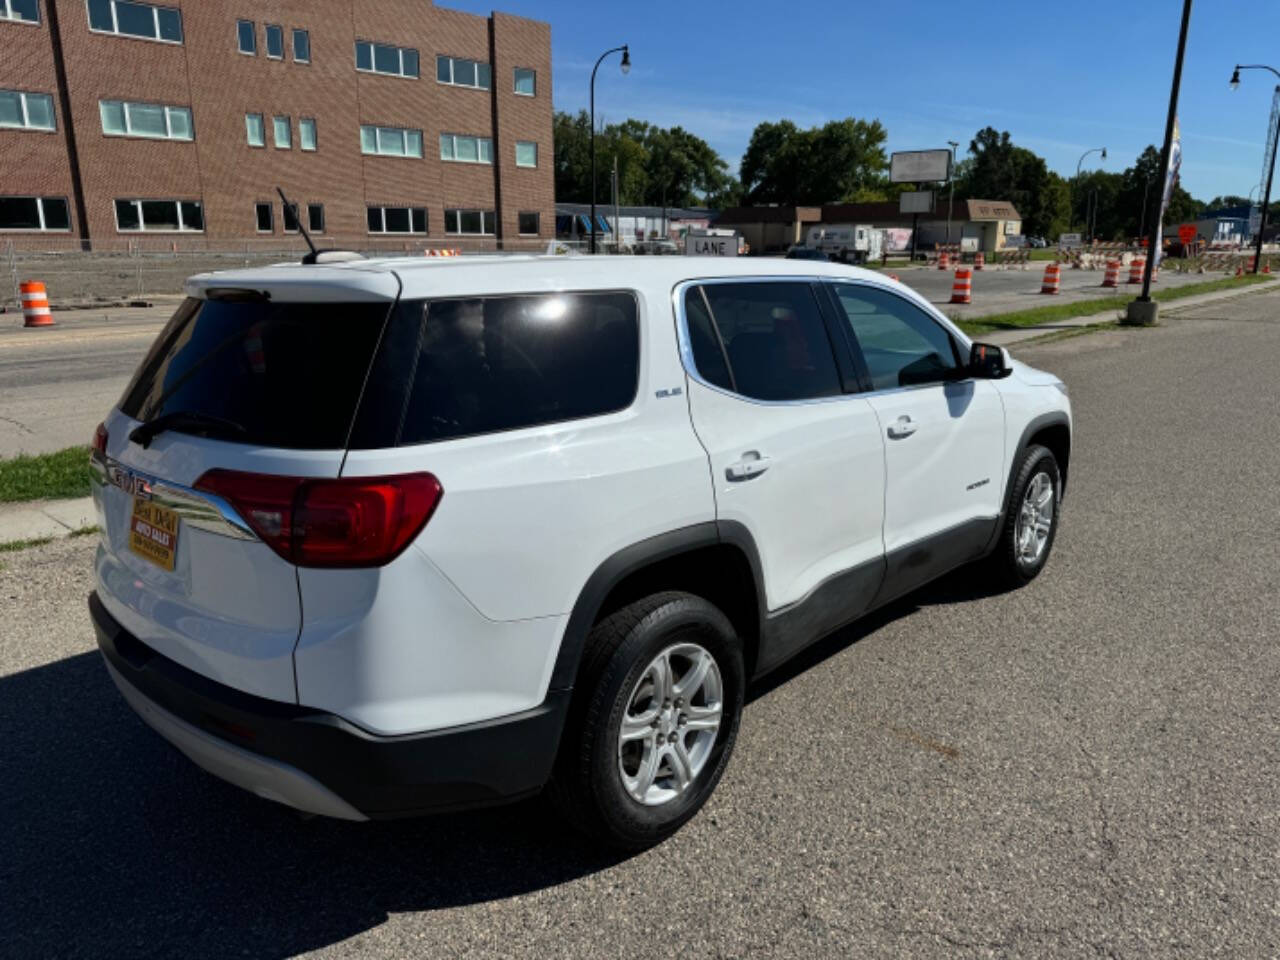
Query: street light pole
x=1103 y=151
x=951 y=179
x=1275 y=137
x=626 y=68
x=1145 y=314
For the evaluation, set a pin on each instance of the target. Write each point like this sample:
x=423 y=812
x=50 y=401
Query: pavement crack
x=19 y=424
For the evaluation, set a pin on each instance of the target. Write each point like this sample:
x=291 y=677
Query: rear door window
x=283 y=375
x=773 y=343
x=460 y=367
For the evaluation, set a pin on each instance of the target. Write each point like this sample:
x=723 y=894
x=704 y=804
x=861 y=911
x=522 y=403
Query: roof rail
x=332 y=256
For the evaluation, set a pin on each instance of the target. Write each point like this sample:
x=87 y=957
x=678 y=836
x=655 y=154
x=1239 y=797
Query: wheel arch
x=1051 y=430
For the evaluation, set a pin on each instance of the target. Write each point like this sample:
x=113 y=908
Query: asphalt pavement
x=1087 y=766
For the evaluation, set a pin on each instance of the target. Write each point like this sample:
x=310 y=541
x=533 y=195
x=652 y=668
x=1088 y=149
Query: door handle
x=751 y=465
x=903 y=427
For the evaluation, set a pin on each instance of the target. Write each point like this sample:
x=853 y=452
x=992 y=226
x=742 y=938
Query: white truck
x=847 y=242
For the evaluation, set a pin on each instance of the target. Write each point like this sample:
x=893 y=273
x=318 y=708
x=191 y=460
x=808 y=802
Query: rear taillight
x=351 y=522
x=100 y=439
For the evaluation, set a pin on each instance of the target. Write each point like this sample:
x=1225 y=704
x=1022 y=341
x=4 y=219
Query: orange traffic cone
x=35 y=304
x=979 y=260
x=1052 y=278
x=962 y=287
x=1136 y=267
x=1112 y=276
x=944 y=261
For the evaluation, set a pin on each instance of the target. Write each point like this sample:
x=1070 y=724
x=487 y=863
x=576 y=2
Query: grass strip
x=1057 y=312
x=45 y=476
x=13 y=546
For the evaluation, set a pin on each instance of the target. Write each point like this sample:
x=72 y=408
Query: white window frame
x=266 y=41
x=459 y=211
x=515 y=80
x=373 y=60
x=384 y=232
x=40 y=213
x=293 y=44
x=155 y=22
x=7 y=14
x=315 y=135
x=271 y=211
x=454 y=61
x=253 y=32
x=480 y=159
x=377 y=141
x=168 y=122
x=137 y=205
x=527 y=143
x=26 y=116
x=275 y=139
x=262 y=128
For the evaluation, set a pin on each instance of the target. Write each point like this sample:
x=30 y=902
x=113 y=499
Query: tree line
x=845 y=161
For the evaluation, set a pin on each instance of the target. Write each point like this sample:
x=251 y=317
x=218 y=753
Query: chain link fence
x=120 y=271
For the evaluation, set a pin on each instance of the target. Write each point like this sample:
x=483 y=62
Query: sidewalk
x=1005 y=338
x=45 y=519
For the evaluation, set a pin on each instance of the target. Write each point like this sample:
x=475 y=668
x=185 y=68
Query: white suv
x=392 y=536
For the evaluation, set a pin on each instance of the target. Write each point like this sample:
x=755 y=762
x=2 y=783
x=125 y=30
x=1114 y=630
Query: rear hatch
x=258 y=376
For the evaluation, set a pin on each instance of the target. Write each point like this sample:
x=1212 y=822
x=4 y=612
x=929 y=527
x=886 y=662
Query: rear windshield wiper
x=185 y=421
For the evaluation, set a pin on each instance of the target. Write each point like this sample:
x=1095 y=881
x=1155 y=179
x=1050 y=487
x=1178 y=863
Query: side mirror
x=989 y=362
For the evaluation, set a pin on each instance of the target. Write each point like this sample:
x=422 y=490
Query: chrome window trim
x=686 y=347
x=201 y=510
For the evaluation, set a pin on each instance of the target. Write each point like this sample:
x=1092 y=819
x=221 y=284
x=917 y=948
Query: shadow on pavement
x=114 y=844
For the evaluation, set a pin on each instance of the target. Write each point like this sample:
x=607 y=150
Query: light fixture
x=1235 y=78
x=1104 y=153
x=626 y=61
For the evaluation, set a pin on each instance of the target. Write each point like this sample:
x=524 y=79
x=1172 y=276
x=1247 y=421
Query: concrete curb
x=40 y=520
x=1005 y=338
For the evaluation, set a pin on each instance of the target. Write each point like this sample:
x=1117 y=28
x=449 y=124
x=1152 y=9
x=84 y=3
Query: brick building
x=384 y=121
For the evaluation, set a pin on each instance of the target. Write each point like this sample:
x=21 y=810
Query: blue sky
x=1061 y=78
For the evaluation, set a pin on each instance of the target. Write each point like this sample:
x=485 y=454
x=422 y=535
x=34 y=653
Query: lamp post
x=951 y=180
x=626 y=68
x=1275 y=136
x=1101 y=150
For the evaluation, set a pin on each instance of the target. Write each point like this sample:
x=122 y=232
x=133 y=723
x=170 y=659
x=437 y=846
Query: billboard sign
x=918 y=201
x=1069 y=240
x=920 y=166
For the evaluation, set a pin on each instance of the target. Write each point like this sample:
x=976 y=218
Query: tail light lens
x=100 y=439
x=350 y=522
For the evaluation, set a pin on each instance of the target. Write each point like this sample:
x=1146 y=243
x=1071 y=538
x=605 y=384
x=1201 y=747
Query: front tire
x=1031 y=522
x=654 y=720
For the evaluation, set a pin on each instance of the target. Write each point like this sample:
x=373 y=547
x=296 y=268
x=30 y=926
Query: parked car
x=1038 y=242
x=387 y=537
x=800 y=252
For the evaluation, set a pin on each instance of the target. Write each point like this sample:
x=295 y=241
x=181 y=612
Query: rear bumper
x=320 y=763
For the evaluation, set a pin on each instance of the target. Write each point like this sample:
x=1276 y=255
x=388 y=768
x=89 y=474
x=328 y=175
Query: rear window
x=460 y=367
x=288 y=374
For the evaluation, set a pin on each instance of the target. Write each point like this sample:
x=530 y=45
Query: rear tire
x=1031 y=522
x=634 y=787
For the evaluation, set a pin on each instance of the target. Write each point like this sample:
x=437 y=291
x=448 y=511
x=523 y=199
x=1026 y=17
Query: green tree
x=838 y=161
x=998 y=169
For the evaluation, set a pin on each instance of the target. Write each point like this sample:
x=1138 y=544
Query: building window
x=154 y=121
x=315 y=217
x=255 y=130
x=246 y=37
x=382 y=58
x=390 y=141
x=290 y=211
x=301 y=46
x=397 y=220
x=28 y=11
x=526 y=153
x=475 y=222
x=34 y=213
x=129 y=19
x=266 y=218
x=528 y=223
x=26 y=111
x=307 y=134
x=459 y=149
x=463 y=73
x=275 y=41
x=185 y=216
x=281 y=133
x=526 y=82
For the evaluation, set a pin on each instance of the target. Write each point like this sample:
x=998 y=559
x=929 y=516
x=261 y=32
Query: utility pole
x=951 y=180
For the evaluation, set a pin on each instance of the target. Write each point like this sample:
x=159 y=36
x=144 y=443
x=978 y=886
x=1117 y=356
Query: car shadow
x=114 y=844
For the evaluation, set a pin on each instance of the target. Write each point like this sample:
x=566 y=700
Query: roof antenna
x=314 y=255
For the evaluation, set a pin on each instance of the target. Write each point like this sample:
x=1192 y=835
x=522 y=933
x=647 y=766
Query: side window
x=708 y=357
x=774 y=340
x=902 y=345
